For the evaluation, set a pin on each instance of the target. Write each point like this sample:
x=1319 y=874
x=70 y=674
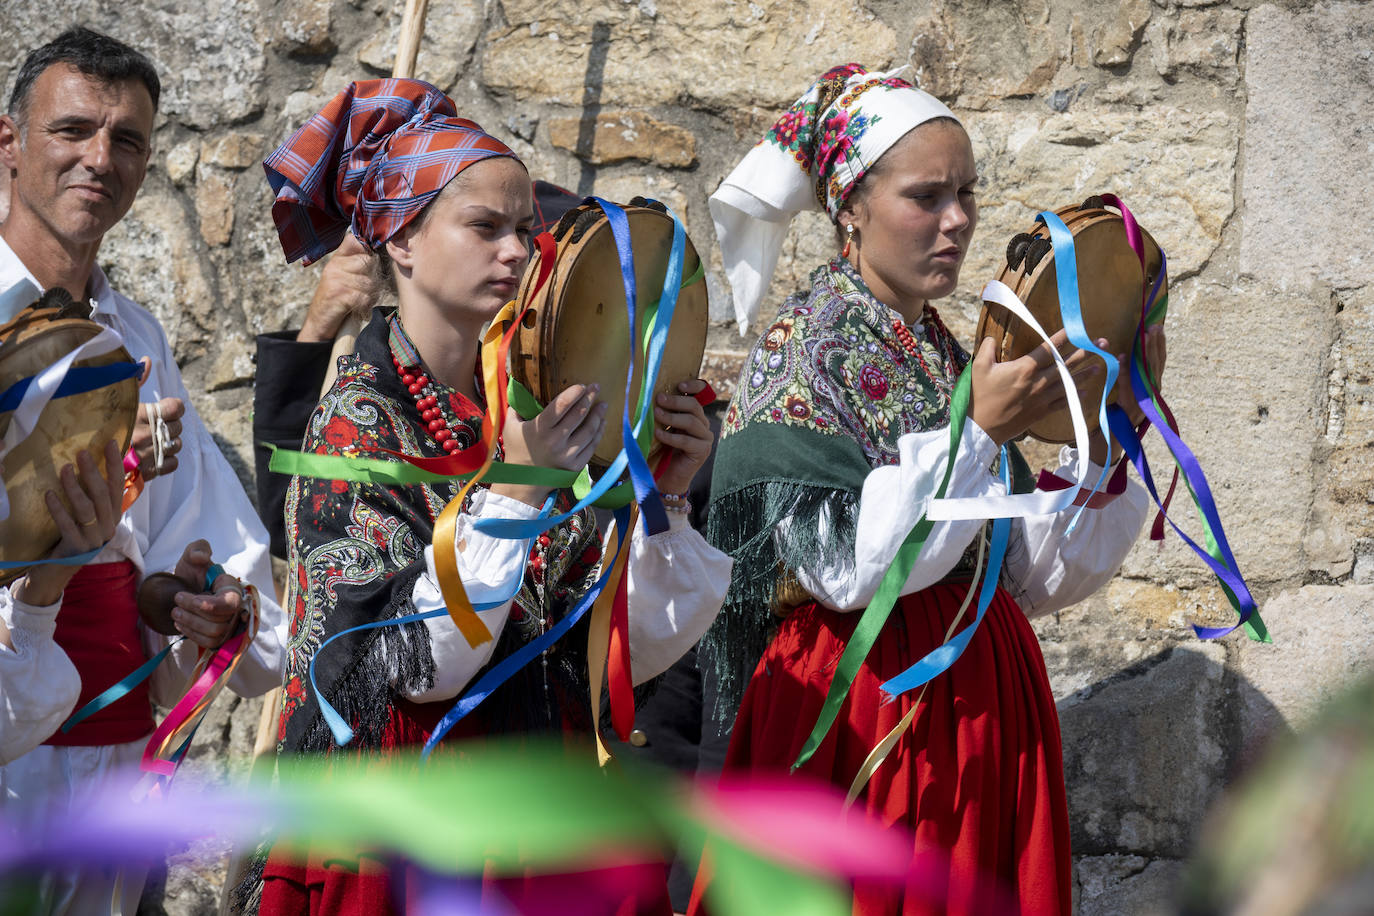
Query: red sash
x=98 y=629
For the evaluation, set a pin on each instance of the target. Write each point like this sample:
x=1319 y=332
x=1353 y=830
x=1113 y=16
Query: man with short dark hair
x=76 y=147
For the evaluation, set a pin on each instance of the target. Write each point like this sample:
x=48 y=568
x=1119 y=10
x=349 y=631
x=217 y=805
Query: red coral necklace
x=433 y=410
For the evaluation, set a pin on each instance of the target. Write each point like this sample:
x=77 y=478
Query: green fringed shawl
x=823 y=397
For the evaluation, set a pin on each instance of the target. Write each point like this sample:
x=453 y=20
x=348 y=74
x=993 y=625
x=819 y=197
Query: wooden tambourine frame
x=1111 y=289
x=576 y=330
x=66 y=426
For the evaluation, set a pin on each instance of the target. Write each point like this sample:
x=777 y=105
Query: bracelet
x=677 y=502
x=211 y=574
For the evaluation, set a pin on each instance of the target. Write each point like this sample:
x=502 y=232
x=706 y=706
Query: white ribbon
x=1039 y=502
x=41 y=391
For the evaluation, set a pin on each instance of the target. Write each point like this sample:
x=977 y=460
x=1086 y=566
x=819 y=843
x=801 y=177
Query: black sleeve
x=289 y=376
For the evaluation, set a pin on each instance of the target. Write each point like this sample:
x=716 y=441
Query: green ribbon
x=889 y=590
x=383 y=471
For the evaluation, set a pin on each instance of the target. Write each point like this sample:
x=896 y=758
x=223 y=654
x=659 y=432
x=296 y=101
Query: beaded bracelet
x=677 y=502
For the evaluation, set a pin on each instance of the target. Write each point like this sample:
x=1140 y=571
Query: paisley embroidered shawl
x=822 y=399
x=357 y=549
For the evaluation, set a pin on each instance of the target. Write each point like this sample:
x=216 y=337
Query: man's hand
x=96 y=499
x=349 y=285
x=147 y=433
x=207 y=619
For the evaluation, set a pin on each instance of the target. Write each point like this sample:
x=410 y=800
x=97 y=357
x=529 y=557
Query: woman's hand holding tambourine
x=563 y=435
x=682 y=425
x=1010 y=396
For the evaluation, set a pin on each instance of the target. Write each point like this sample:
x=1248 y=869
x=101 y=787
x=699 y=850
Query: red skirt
x=368 y=884
x=978 y=778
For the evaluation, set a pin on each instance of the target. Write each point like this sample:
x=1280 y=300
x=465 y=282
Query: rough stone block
x=620 y=136
x=1251 y=418
x=451 y=30
x=1323 y=642
x=152 y=257
x=611 y=53
x=1127 y=886
x=1309 y=214
x=215 y=205
x=1145 y=753
x=236 y=150
x=1023 y=44
x=1114 y=41
x=1174 y=168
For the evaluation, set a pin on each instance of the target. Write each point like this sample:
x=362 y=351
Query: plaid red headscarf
x=372 y=159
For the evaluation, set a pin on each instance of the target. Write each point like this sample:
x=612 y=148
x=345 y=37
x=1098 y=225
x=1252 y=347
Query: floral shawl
x=822 y=399
x=356 y=551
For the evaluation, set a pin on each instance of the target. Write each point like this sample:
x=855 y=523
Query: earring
x=848 y=240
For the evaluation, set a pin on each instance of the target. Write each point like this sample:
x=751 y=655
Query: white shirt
x=1049 y=568
x=202 y=498
x=676 y=586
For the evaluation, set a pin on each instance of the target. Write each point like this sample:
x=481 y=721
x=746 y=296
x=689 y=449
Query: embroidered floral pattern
x=831 y=362
x=348 y=543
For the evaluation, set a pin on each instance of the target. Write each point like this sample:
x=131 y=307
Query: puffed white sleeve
x=38 y=682
x=677 y=584
x=893 y=499
x=490 y=568
x=1052 y=567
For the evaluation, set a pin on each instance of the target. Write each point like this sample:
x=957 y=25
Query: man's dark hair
x=90 y=52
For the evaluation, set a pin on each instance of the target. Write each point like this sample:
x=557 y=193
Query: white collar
x=12 y=270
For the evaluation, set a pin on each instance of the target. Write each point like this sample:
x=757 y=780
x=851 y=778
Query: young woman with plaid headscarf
x=450 y=206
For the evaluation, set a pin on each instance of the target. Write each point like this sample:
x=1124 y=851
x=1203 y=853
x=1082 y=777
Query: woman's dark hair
x=90 y=52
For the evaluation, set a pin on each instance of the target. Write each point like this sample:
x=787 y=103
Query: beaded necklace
x=941 y=340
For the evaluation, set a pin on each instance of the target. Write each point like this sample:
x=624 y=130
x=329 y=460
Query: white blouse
x=38 y=682
x=676 y=586
x=1048 y=567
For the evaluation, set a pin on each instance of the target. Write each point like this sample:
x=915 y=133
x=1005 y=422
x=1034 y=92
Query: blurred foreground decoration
x=1298 y=836
x=501 y=810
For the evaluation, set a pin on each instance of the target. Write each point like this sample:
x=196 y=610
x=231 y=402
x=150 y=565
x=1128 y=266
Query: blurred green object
x=1298 y=836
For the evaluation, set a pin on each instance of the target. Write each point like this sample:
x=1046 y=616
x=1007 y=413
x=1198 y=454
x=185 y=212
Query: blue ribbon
x=646 y=493
x=503 y=670
x=938 y=660
x=80 y=559
x=343 y=732
x=1070 y=309
x=119 y=690
x=78 y=380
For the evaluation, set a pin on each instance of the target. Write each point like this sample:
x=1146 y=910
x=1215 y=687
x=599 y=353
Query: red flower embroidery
x=873 y=382
x=295 y=689
x=340 y=432
x=339 y=486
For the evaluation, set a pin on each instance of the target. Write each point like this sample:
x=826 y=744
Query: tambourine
x=37 y=337
x=576 y=330
x=1111 y=287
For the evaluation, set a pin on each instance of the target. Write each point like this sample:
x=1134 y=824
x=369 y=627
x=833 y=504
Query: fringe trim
x=741 y=523
x=362 y=693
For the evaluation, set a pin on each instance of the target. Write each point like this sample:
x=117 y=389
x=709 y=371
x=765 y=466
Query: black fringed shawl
x=357 y=549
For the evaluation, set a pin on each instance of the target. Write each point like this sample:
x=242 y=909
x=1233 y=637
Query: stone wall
x=1238 y=131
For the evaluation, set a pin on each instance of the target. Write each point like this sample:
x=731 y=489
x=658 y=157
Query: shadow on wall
x=1147 y=752
x=591 y=104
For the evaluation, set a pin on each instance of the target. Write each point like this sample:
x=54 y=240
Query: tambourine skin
x=577 y=330
x=1111 y=288
x=66 y=426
